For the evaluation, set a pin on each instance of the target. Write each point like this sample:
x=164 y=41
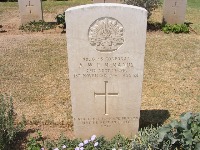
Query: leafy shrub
x=8 y=129
x=149 y=5
x=37 y=26
x=184 y=134
x=176 y=28
x=60 y=19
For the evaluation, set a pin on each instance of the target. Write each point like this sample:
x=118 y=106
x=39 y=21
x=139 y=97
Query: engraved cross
x=106 y=94
x=175 y=5
x=29 y=6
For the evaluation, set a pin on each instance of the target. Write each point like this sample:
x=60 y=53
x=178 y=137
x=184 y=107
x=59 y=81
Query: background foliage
x=183 y=133
x=176 y=28
x=149 y=5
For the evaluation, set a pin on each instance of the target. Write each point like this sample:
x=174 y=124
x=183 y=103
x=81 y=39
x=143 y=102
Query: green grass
x=7 y=6
x=52 y=6
x=48 y=6
x=194 y=4
x=193 y=10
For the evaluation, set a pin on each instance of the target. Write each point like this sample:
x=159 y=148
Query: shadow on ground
x=153 y=117
x=21 y=139
x=1 y=30
x=154 y=26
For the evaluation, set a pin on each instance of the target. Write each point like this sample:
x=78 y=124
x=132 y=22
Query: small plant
x=88 y=144
x=93 y=143
x=149 y=5
x=37 y=26
x=8 y=129
x=35 y=143
x=62 y=143
x=176 y=28
x=120 y=142
x=60 y=19
x=146 y=138
x=183 y=134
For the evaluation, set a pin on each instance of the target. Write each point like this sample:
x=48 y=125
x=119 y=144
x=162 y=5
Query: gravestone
x=30 y=10
x=106 y=48
x=174 y=11
x=108 y=1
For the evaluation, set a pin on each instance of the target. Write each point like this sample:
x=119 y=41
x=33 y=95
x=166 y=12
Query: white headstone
x=106 y=47
x=174 y=11
x=30 y=10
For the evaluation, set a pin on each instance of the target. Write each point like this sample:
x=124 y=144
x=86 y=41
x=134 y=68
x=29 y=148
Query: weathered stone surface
x=30 y=10
x=174 y=11
x=106 y=48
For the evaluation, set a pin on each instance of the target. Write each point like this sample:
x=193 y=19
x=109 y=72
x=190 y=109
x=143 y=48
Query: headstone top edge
x=105 y=5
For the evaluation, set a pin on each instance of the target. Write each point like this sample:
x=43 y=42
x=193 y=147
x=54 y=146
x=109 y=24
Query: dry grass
x=34 y=71
x=172 y=68
x=172 y=79
x=33 y=68
x=192 y=16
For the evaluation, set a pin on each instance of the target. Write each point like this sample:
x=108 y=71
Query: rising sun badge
x=106 y=34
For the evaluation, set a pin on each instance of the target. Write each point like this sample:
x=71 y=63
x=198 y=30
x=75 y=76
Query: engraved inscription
x=104 y=122
x=105 y=94
x=106 y=34
x=29 y=6
x=175 y=5
x=106 y=67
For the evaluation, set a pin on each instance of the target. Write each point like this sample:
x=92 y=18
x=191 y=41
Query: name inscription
x=106 y=67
